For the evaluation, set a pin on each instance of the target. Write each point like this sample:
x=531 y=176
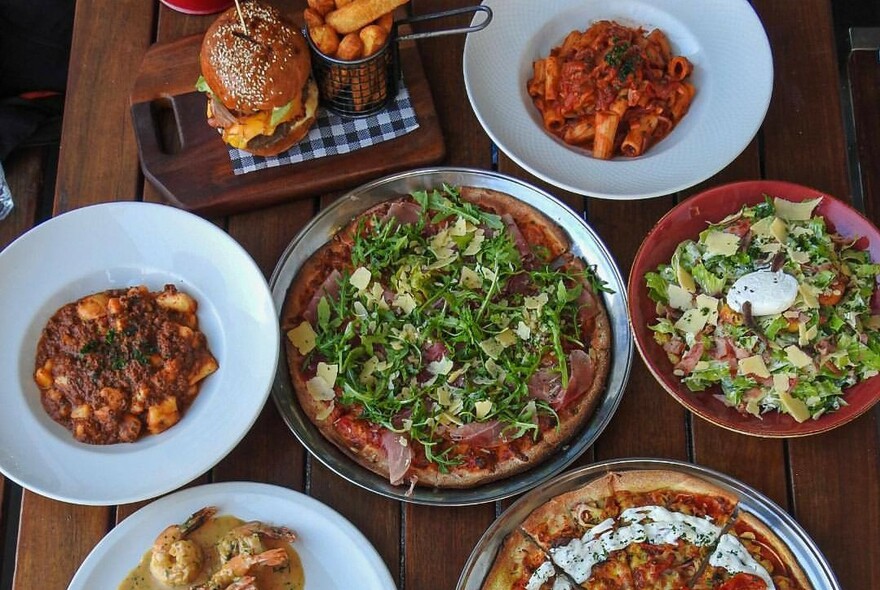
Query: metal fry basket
x=362 y=87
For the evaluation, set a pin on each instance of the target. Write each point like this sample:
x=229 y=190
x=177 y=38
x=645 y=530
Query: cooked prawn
x=247 y=539
x=239 y=566
x=176 y=560
x=245 y=583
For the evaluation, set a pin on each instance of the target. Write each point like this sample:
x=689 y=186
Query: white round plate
x=111 y=246
x=333 y=552
x=733 y=76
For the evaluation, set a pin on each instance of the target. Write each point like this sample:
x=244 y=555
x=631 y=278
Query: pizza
x=644 y=529
x=447 y=338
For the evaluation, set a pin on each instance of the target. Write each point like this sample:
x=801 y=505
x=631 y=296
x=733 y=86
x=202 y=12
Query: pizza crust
x=538 y=228
x=772 y=541
x=556 y=522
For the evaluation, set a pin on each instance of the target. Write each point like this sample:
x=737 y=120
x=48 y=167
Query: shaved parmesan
x=441 y=367
x=523 y=331
x=444 y=396
x=492 y=347
x=536 y=302
x=753 y=365
x=779 y=229
x=506 y=338
x=753 y=406
x=797 y=357
x=470 y=279
x=322 y=414
x=460 y=227
x=708 y=305
x=329 y=372
x=808 y=294
x=781 y=382
x=685 y=279
x=405 y=303
x=761 y=228
x=302 y=337
x=791 y=211
x=721 y=243
x=795 y=407
x=476 y=241
x=320 y=387
x=360 y=278
x=806 y=335
x=679 y=298
x=692 y=321
x=482 y=408
x=798 y=256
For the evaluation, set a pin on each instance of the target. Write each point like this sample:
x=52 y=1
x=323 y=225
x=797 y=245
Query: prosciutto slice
x=691 y=358
x=405 y=212
x=545 y=384
x=399 y=455
x=330 y=289
x=518 y=240
x=484 y=434
x=589 y=305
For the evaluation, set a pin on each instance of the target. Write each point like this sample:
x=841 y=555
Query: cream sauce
x=290 y=578
x=732 y=556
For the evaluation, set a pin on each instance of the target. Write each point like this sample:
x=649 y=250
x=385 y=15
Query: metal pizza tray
x=803 y=548
x=585 y=244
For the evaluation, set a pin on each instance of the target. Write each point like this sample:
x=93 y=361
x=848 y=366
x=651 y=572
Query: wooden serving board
x=189 y=164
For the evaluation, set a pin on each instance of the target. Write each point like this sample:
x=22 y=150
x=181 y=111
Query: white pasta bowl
x=733 y=76
x=113 y=246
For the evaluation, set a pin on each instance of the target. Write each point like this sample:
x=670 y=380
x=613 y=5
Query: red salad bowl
x=686 y=221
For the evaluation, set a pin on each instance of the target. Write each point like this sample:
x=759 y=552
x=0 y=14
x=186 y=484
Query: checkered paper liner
x=333 y=135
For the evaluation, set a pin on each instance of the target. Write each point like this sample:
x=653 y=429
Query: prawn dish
x=211 y=552
x=117 y=364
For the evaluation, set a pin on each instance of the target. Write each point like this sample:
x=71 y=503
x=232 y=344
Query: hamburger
x=257 y=76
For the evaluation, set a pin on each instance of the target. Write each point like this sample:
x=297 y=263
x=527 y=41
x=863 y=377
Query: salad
x=771 y=306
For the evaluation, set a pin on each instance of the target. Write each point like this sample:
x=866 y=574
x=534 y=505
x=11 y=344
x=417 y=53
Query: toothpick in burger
x=256 y=71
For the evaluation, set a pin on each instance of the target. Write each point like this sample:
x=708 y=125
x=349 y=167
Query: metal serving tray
x=585 y=244
x=806 y=552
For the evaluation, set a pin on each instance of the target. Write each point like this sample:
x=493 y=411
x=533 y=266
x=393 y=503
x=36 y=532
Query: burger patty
x=263 y=141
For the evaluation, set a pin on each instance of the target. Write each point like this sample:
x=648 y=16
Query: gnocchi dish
x=119 y=364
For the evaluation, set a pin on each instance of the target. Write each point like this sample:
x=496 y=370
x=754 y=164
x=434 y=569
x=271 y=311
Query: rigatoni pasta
x=611 y=89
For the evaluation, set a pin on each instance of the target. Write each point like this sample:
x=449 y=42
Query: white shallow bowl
x=333 y=552
x=733 y=76
x=112 y=246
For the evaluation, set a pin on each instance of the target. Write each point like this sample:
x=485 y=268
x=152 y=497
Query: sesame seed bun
x=257 y=69
x=261 y=97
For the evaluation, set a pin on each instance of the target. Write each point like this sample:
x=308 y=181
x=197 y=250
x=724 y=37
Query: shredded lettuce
x=828 y=339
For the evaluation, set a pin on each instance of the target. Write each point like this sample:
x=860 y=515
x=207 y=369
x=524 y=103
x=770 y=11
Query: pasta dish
x=612 y=89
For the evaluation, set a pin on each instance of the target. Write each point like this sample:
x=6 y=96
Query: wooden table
x=830 y=483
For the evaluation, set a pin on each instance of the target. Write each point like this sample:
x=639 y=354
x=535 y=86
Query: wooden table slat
x=830 y=482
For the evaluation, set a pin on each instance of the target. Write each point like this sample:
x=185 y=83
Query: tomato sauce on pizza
x=641 y=529
x=447 y=338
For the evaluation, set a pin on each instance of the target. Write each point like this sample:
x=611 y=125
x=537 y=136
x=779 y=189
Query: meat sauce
x=117 y=364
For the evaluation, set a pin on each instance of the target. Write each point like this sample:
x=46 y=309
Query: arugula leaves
x=451 y=326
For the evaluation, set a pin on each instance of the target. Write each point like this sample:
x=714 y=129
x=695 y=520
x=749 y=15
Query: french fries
x=350 y=29
x=359 y=13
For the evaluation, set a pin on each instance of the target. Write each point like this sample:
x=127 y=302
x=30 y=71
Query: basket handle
x=435 y=15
